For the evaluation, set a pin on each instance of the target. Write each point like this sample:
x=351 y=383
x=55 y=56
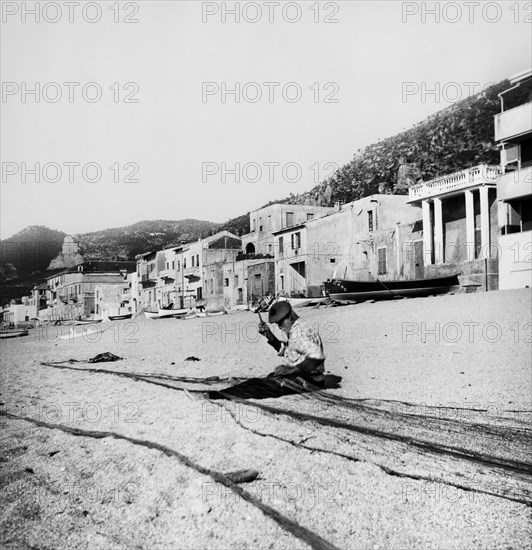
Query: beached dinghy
x=120 y=317
x=13 y=333
x=87 y=321
x=342 y=290
x=163 y=312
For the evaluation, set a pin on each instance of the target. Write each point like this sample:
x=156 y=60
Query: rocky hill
x=25 y=257
x=455 y=138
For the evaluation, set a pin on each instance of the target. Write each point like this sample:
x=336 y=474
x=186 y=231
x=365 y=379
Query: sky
x=133 y=116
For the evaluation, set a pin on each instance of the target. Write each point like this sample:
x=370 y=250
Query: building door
x=419 y=266
x=257 y=286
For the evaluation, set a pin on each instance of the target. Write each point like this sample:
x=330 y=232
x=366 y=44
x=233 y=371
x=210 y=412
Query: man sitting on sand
x=303 y=350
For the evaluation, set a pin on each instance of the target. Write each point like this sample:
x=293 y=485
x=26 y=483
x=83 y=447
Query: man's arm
x=265 y=330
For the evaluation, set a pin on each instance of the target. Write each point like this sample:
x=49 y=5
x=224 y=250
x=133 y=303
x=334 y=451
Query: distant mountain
x=25 y=257
x=29 y=250
x=124 y=243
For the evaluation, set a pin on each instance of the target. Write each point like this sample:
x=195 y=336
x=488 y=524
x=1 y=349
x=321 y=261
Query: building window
x=518 y=216
x=281 y=247
x=236 y=280
x=184 y=263
x=381 y=254
x=289 y=219
x=197 y=260
x=192 y=261
x=270 y=249
x=253 y=225
x=173 y=264
x=370 y=220
x=152 y=267
x=167 y=265
x=260 y=224
x=269 y=226
x=296 y=240
x=226 y=281
x=310 y=216
x=178 y=266
x=282 y=281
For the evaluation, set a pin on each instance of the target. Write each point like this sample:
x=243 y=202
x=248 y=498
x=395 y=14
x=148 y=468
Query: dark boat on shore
x=347 y=290
x=120 y=317
x=13 y=333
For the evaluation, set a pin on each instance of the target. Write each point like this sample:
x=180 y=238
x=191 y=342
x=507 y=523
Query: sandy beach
x=425 y=443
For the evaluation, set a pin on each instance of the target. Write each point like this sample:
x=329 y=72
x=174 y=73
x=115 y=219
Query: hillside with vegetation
x=459 y=137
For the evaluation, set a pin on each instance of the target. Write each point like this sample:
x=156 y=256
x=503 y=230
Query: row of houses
x=476 y=222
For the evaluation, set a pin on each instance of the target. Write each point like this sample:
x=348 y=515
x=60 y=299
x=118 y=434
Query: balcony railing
x=514 y=122
x=470 y=177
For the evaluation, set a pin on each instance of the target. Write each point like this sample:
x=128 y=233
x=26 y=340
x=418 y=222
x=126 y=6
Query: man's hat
x=279 y=311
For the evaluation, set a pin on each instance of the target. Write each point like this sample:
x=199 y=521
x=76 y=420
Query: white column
x=470 y=225
x=485 y=222
x=438 y=232
x=427 y=232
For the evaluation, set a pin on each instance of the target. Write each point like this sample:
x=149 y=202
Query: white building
x=513 y=132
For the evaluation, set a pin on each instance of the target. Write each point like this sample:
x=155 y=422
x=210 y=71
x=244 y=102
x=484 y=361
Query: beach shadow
x=277 y=386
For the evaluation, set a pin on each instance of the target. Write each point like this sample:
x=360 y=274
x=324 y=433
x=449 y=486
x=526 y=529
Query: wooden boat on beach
x=87 y=321
x=163 y=312
x=120 y=317
x=342 y=290
x=13 y=333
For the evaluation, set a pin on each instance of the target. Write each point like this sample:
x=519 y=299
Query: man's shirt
x=303 y=341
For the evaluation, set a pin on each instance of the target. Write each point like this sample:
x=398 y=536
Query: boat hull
x=87 y=321
x=13 y=333
x=172 y=312
x=151 y=314
x=345 y=290
x=120 y=317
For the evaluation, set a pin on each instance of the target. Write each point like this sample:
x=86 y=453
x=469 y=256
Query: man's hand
x=265 y=330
